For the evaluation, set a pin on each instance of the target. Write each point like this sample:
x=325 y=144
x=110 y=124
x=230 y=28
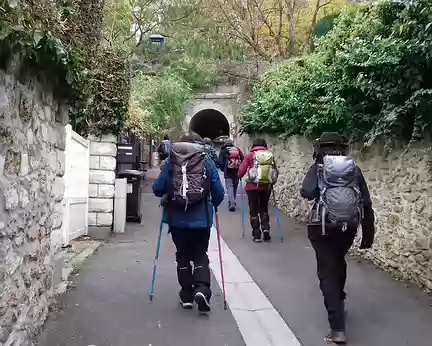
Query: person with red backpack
x=230 y=159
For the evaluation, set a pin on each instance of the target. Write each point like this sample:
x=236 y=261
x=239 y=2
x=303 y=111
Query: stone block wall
x=103 y=151
x=401 y=191
x=32 y=163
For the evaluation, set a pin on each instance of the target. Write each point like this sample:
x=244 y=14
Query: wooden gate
x=77 y=170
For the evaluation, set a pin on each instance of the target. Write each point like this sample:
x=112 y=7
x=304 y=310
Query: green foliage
x=370 y=77
x=157 y=103
x=101 y=105
x=194 y=47
x=59 y=41
x=325 y=24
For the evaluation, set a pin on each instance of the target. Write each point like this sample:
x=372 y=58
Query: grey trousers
x=231 y=185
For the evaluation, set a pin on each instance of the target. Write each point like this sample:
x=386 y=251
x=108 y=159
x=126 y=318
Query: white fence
x=76 y=179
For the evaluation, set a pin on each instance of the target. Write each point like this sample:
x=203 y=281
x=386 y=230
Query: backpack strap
x=321 y=204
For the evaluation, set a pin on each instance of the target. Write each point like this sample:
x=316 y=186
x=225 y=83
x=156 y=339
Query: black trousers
x=258 y=209
x=192 y=245
x=330 y=250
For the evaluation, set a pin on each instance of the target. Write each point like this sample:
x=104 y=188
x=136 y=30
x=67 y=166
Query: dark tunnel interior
x=209 y=123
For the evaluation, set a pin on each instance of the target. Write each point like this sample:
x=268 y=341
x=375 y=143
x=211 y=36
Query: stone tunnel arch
x=210 y=123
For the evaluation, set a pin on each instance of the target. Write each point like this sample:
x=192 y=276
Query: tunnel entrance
x=209 y=123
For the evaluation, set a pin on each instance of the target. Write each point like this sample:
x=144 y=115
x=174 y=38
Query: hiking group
x=191 y=191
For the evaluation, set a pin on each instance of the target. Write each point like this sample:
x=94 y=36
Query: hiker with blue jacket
x=341 y=204
x=190 y=188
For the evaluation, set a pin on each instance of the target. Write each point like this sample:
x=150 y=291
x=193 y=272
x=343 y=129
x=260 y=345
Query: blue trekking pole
x=278 y=218
x=152 y=293
x=242 y=209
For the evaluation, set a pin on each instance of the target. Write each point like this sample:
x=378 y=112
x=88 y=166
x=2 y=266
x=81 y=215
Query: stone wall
x=32 y=143
x=103 y=151
x=401 y=190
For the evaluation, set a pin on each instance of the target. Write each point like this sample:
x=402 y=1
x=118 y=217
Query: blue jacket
x=195 y=216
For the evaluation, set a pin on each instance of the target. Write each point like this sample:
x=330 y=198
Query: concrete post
x=120 y=205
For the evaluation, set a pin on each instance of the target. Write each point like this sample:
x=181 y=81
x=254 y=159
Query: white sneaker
x=186 y=305
x=202 y=302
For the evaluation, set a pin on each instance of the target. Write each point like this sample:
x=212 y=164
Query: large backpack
x=233 y=158
x=263 y=171
x=340 y=199
x=190 y=183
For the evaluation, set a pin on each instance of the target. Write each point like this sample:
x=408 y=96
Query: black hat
x=331 y=138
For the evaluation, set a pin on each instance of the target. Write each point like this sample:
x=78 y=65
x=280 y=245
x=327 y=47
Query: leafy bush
x=157 y=103
x=59 y=41
x=370 y=77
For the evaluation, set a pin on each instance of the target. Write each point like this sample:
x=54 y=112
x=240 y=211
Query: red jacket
x=244 y=167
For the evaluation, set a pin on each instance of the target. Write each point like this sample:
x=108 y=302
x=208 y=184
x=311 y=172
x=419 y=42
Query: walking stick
x=278 y=218
x=220 y=259
x=242 y=209
x=152 y=293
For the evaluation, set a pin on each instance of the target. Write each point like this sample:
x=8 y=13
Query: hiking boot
x=202 y=302
x=256 y=235
x=186 y=300
x=232 y=207
x=267 y=235
x=337 y=336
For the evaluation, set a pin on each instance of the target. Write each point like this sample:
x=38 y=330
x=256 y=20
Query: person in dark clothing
x=163 y=148
x=190 y=226
x=230 y=165
x=208 y=144
x=258 y=196
x=332 y=243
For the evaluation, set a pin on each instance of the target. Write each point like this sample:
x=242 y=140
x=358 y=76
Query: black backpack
x=165 y=147
x=190 y=183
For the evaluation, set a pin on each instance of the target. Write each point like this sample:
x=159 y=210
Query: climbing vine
x=60 y=41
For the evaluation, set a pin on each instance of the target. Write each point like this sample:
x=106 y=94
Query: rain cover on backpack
x=263 y=171
x=190 y=182
x=233 y=158
x=340 y=199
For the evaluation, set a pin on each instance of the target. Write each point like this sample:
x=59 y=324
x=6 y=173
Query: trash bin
x=133 y=199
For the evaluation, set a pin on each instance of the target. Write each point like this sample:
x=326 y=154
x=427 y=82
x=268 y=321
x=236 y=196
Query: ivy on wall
x=60 y=42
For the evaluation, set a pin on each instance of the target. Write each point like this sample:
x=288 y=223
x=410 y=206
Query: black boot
x=186 y=299
x=256 y=232
x=265 y=221
x=337 y=336
x=256 y=236
x=267 y=235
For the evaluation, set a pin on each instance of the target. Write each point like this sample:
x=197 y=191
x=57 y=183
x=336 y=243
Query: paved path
x=272 y=293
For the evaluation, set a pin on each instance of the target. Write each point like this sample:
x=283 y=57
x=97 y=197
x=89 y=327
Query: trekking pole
x=152 y=293
x=220 y=259
x=242 y=209
x=278 y=218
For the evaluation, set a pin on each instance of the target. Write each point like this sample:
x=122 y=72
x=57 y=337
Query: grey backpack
x=340 y=199
x=190 y=182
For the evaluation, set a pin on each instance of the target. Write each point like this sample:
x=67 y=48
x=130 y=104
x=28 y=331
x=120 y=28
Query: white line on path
x=258 y=321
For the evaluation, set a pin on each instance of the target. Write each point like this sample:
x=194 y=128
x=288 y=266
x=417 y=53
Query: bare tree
x=318 y=6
